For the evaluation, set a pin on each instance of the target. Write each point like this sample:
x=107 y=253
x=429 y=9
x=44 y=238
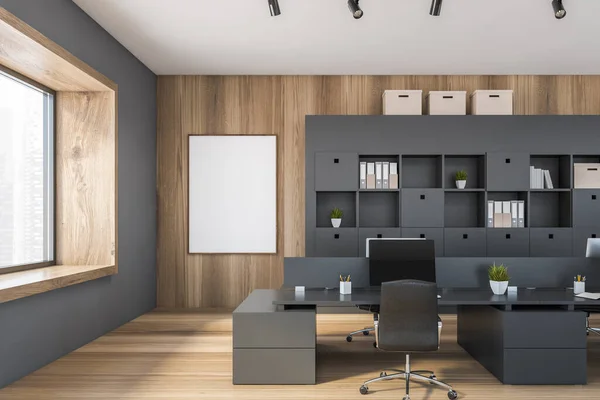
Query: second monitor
x=398 y=259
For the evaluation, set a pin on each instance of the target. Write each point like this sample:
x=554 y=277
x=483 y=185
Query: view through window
x=26 y=174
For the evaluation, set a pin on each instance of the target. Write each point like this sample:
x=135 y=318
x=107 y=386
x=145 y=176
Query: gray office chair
x=408 y=322
x=365 y=331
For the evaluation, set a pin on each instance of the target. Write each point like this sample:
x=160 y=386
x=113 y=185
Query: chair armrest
x=376 y=326
x=439 y=331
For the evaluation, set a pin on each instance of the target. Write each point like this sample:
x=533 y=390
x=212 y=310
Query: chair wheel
x=382 y=374
x=374 y=344
x=366 y=333
x=348 y=339
x=363 y=389
x=452 y=395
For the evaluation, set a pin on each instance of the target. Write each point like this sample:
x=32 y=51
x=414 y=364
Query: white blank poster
x=232 y=194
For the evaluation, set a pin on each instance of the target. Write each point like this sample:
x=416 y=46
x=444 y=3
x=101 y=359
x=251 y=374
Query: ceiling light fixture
x=436 y=8
x=274 y=8
x=559 y=10
x=355 y=9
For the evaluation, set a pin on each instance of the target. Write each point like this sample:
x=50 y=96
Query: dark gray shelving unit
x=496 y=152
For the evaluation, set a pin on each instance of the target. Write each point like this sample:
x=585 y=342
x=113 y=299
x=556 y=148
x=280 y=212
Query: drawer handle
x=593 y=197
x=592 y=169
x=336 y=160
x=551 y=236
x=403 y=95
x=593 y=236
x=494 y=96
x=422 y=236
x=507 y=161
x=379 y=236
x=422 y=197
x=508 y=235
x=336 y=236
x=447 y=97
x=465 y=236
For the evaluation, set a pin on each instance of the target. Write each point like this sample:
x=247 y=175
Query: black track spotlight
x=436 y=8
x=559 y=10
x=355 y=9
x=274 y=8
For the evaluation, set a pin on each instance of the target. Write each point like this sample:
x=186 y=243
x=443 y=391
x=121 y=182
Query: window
x=26 y=174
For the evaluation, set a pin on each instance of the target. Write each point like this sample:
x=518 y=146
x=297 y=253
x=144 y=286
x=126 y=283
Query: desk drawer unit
x=536 y=346
x=274 y=366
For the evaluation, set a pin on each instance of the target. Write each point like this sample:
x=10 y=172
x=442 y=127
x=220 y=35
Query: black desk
x=534 y=337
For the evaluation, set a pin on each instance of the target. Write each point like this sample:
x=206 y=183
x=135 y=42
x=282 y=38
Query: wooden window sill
x=16 y=285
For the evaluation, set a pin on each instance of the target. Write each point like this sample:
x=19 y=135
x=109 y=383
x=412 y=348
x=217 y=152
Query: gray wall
x=39 y=329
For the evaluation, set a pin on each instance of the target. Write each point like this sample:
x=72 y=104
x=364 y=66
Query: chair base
x=588 y=328
x=364 y=332
x=407 y=375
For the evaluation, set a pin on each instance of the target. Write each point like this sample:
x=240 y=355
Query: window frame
x=29 y=82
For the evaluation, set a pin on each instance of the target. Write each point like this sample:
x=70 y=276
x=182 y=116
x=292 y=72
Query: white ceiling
x=239 y=37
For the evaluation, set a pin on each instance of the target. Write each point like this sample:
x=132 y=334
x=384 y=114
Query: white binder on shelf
x=393 y=175
x=363 y=175
x=532 y=177
x=497 y=214
x=378 y=175
x=549 y=184
x=506 y=214
x=386 y=175
x=521 y=214
x=514 y=214
x=490 y=214
x=370 y=175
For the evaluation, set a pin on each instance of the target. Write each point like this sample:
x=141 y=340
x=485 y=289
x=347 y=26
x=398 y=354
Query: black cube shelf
x=496 y=153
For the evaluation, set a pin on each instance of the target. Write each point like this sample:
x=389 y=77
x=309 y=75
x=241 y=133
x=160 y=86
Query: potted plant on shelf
x=336 y=217
x=498 y=275
x=461 y=179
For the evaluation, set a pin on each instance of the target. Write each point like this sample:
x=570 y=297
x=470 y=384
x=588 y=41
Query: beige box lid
x=401 y=91
x=447 y=92
x=485 y=91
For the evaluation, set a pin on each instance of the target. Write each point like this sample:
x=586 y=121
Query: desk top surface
x=449 y=297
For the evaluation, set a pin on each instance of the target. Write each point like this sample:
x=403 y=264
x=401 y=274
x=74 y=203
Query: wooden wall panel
x=278 y=105
x=85 y=178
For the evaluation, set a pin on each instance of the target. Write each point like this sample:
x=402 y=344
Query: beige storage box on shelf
x=587 y=176
x=447 y=103
x=402 y=102
x=492 y=102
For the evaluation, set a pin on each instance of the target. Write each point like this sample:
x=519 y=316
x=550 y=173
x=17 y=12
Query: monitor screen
x=392 y=260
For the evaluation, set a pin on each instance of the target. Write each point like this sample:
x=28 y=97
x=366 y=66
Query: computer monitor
x=392 y=260
x=593 y=248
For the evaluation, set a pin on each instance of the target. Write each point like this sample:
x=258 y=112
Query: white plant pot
x=336 y=222
x=499 y=287
x=461 y=184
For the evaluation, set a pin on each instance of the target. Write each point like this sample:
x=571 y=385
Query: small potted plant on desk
x=498 y=275
x=461 y=179
x=336 y=217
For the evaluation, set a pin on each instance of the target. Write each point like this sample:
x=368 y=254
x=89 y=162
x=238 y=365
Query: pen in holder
x=345 y=285
x=579 y=284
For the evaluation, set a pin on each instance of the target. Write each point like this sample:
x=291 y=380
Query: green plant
x=336 y=213
x=498 y=273
x=461 y=175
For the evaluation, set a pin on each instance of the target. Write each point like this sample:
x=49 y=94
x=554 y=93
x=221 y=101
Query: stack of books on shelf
x=506 y=214
x=540 y=178
x=378 y=175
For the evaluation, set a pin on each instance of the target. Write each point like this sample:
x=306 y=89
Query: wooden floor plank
x=187 y=355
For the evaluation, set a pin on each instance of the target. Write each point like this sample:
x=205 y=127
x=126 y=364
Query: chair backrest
x=408 y=316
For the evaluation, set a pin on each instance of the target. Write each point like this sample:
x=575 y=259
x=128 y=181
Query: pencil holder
x=345 y=287
x=578 y=287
